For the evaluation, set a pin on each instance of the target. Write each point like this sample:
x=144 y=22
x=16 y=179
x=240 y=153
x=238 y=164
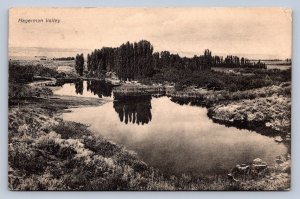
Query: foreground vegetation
x=47 y=153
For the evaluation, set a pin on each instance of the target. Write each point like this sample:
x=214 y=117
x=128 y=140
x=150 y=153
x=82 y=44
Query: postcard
x=149 y=99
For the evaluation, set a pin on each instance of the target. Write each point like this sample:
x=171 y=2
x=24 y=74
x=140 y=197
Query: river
x=174 y=138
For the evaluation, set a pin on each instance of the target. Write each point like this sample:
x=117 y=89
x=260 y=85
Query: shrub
x=68 y=130
x=28 y=160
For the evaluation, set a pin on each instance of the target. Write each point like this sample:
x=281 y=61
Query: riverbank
x=50 y=154
x=47 y=153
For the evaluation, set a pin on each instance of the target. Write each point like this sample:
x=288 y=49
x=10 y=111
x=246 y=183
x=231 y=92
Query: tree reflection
x=100 y=88
x=136 y=110
x=79 y=87
x=188 y=101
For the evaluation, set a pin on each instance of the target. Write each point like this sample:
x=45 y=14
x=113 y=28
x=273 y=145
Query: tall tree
x=79 y=64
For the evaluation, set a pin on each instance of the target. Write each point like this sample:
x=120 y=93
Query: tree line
x=136 y=60
x=63 y=58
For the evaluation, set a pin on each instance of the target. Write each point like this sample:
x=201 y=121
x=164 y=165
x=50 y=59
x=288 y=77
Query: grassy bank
x=47 y=153
x=266 y=108
x=272 y=112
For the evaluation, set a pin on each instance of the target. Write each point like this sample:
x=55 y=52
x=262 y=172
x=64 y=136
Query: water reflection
x=136 y=110
x=189 y=101
x=79 y=87
x=99 y=88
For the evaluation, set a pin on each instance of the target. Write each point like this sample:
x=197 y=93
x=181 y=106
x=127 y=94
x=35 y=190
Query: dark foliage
x=222 y=81
x=23 y=74
x=137 y=60
x=79 y=64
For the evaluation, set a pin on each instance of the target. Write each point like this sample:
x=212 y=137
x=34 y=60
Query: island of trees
x=137 y=60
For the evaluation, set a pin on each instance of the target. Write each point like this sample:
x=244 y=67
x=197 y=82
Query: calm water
x=93 y=89
x=175 y=138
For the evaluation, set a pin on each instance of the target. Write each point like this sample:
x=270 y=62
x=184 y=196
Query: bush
x=28 y=160
x=18 y=73
x=17 y=91
x=69 y=129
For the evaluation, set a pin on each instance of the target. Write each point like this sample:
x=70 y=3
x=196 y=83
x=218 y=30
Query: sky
x=251 y=32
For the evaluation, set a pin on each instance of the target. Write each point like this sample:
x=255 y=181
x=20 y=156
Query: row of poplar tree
x=133 y=60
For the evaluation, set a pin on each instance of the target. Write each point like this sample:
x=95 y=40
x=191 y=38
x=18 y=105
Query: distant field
x=278 y=64
x=281 y=67
x=271 y=64
x=47 y=63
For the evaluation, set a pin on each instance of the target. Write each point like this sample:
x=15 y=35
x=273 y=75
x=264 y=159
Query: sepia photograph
x=149 y=99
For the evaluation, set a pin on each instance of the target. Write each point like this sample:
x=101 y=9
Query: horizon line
x=190 y=54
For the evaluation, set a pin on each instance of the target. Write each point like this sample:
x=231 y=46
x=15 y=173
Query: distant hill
x=37 y=52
